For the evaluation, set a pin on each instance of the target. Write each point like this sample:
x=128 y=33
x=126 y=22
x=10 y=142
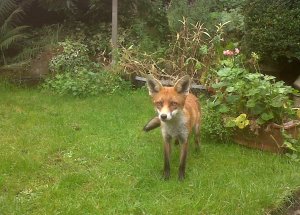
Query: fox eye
x=159 y=104
x=174 y=104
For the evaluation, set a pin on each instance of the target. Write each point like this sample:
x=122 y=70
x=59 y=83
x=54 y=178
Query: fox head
x=168 y=101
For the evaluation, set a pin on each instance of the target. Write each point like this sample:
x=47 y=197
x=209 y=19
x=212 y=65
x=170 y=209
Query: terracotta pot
x=269 y=139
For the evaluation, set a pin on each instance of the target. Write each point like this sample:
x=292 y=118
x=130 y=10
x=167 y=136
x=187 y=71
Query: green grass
x=63 y=155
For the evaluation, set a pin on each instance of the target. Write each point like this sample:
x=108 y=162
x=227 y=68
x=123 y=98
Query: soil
x=291 y=207
x=39 y=66
x=31 y=74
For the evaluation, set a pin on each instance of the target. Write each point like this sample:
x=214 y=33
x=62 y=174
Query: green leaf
x=289 y=146
x=296 y=92
x=258 y=109
x=232 y=99
x=198 y=65
x=229 y=122
x=276 y=102
x=214 y=103
x=203 y=50
x=260 y=121
x=252 y=92
x=267 y=116
x=224 y=72
x=251 y=103
x=219 y=85
x=227 y=63
x=269 y=77
x=253 y=76
x=223 y=108
x=230 y=89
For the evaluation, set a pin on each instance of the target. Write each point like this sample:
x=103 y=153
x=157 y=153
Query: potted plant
x=255 y=107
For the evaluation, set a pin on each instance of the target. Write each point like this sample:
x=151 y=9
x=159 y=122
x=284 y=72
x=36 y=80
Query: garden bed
x=269 y=139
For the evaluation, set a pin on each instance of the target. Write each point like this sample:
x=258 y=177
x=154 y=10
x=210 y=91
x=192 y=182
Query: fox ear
x=183 y=85
x=154 y=86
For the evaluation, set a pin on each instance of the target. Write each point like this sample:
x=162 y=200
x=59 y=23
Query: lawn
x=62 y=155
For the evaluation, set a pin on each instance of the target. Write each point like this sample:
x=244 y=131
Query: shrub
x=95 y=37
x=146 y=38
x=212 y=125
x=75 y=74
x=84 y=83
x=72 y=56
x=156 y=18
x=272 y=28
x=249 y=98
x=197 y=11
x=209 y=12
x=260 y=96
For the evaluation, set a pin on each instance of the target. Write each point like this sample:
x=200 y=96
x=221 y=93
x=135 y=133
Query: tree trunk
x=114 y=30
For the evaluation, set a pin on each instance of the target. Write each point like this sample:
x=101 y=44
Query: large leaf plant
x=10 y=15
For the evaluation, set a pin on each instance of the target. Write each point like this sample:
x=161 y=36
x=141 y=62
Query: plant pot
x=269 y=139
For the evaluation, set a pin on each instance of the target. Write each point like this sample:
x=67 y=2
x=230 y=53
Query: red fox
x=178 y=113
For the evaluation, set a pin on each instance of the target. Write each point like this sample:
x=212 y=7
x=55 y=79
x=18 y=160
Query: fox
x=178 y=116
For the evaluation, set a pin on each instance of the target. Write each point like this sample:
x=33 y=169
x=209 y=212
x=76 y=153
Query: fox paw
x=166 y=175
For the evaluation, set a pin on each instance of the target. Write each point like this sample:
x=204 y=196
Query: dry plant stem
x=182 y=58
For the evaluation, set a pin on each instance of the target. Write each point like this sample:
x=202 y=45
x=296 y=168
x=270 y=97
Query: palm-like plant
x=10 y=15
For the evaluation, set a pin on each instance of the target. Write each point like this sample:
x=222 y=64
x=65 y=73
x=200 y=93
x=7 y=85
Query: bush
x=272 y=28
x=75 y=74
x=249 y=98
x=209 y=12
x=212 y=125
x=72 y=56
x=198 y=12
x=142 y=37
x=84 y=83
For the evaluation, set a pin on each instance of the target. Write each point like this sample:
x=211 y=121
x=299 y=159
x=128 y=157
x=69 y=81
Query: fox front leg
x=183 y=156
x=167 y=152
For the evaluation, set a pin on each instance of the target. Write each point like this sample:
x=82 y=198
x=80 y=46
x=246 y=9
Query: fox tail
x=152 y=124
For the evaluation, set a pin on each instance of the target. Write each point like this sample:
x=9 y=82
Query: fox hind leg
x=197 y=137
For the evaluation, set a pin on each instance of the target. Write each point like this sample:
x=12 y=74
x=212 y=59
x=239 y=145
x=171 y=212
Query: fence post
x=114 y=34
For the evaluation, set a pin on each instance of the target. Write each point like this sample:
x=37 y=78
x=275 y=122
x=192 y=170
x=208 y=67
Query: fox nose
x=163 y=116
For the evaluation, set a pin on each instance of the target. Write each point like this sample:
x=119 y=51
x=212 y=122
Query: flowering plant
x=231 y=53
x=247 y=98
x=241 y=121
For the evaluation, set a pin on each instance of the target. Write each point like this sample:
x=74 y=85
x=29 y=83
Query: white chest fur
x=176 y=128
